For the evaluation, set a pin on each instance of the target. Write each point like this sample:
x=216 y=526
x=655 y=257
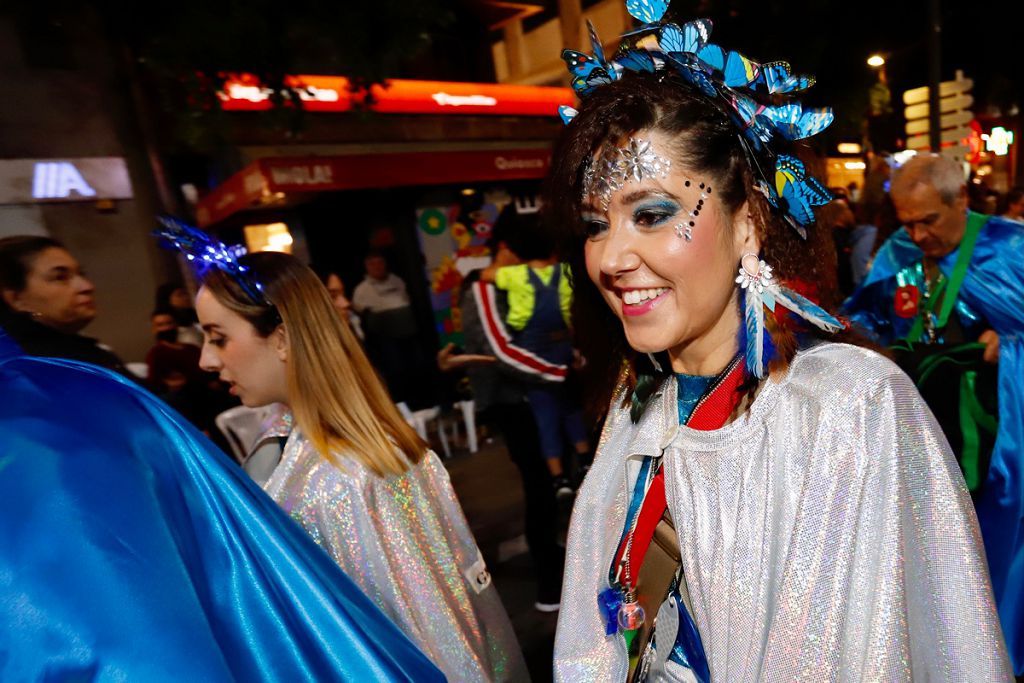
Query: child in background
x=539 y=300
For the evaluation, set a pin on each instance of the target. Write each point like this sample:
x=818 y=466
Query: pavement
x=488 y=487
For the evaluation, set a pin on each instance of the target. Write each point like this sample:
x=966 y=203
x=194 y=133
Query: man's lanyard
x=949 y=293
x=711 y=412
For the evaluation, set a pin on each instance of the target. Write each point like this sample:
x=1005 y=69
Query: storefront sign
x=396 y=96
x=32 y=181
x=266 y=180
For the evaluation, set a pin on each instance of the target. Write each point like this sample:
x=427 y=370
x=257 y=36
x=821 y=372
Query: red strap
x=716 y=408
x=712 y=413
x=643 y=533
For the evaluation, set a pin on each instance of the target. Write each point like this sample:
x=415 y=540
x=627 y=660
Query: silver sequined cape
x=826 y=535
x=405 y=541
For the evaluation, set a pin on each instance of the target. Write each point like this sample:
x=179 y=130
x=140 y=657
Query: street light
x=876 y=60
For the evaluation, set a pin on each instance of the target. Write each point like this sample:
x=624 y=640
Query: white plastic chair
x=241 y=426
x=419 y=420
x=468 y=409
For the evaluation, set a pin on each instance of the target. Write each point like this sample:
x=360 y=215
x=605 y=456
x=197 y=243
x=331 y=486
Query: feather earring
x=762 y=290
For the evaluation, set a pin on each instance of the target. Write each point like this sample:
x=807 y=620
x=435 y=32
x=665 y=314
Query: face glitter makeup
x=617 y=166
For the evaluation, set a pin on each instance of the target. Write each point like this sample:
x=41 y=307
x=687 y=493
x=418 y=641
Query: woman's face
x=56 y=293
x=336 y=288
x=670 y=294
x=255 y=367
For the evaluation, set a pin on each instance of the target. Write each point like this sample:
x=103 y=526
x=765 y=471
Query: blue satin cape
x=993 y=290
x=132 y=549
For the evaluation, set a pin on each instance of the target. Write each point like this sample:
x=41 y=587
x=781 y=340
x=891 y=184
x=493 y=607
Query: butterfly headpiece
x=204 y=253
x=759 y=98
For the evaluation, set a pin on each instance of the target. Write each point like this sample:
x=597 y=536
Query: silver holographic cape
x=405 y=542
x=826 y=535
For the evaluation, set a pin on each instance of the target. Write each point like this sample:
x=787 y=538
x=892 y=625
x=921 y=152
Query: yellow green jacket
x=516 y=282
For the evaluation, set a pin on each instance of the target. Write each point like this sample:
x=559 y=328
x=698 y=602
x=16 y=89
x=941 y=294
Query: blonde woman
x=353 y=473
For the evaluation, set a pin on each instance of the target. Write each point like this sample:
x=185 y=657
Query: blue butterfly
x=634 y=60
x=691 y=72
x=566 y=113
x=747 y=113
x=691 y=37
x=595 y=44
x=795 y=124
x=737 y=71
x=589 y=72
x=795 y=193
x=777 y=77
x=647 y=11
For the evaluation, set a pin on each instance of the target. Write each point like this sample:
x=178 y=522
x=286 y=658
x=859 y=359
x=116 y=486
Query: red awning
x=266 y=181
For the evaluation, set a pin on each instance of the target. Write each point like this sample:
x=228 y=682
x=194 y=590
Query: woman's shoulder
x=303 y=465
x=838 y=373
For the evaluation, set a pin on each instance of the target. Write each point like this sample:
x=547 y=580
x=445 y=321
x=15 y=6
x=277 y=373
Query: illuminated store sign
x=31 y=181
x=59 y=180
x=998 y=141
x=396 y=96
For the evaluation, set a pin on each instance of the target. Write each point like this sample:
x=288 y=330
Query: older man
x=949 y=277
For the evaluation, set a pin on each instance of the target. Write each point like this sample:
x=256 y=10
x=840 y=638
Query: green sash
x=948 y=290
x=973 y=416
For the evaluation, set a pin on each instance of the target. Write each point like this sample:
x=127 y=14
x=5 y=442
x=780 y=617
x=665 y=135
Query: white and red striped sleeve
x=484 y=296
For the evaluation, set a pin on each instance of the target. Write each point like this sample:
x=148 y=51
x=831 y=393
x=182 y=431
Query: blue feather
x=754 y=329
x=808 y=310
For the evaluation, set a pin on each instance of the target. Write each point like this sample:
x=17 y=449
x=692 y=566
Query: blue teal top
x=691 y=390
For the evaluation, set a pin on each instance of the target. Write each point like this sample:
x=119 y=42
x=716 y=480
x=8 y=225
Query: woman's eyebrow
x=637 y=195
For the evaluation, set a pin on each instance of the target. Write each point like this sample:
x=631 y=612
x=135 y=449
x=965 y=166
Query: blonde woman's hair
x=337 y=399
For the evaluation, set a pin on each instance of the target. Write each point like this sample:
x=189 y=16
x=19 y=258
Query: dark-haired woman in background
x=765 y=504
x=46 y=300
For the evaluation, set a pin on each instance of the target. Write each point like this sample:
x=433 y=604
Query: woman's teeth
x=636 y=296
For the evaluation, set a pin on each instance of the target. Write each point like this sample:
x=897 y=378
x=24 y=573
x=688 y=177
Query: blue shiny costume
x=992 y=296
x=132 y=549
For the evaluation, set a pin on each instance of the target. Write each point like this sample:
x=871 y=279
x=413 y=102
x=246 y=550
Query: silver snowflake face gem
x=619 y=165
x=754 y=274
x=638 y=161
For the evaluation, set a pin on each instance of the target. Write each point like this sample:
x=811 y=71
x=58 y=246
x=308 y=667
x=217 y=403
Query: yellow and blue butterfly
x=736 y=70
x=795 y=193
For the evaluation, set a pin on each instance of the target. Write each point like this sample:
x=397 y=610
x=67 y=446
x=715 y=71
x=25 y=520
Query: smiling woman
x=746 y=515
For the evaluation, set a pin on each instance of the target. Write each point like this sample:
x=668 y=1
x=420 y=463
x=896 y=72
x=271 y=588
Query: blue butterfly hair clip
x=757 y=97
x=204 y=253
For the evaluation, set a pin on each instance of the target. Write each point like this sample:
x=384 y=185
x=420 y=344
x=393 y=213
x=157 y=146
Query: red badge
x=907 y=299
